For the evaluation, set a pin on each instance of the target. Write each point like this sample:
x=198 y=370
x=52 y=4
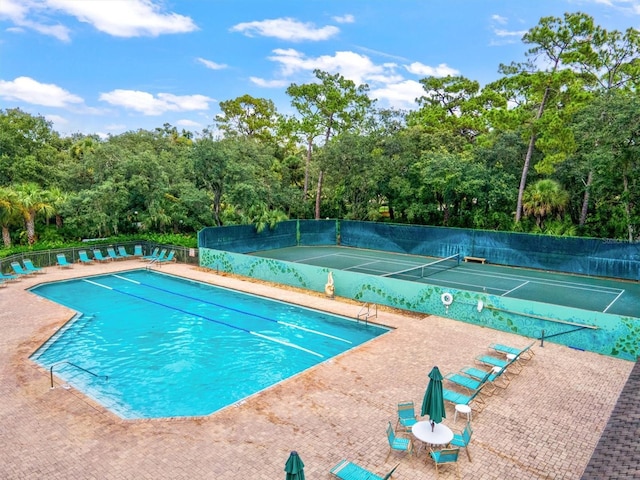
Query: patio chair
x=446 y=456
x=406 y=416
x=161 y=256
x=346 y=470
x=123 y=252
x=458 y=398
x=112 y=254
x=467 y=382
x=153 y=256
x=84 y=257
x=396 y=443
x=463 y=439
x=524 y=353
x=28 y=264
x=502 y=363
x=137 y=251
x=62 y=261
x=18 y=270
x=8 y=277
x=97 y=255
x=496 y=379
x=168 y=258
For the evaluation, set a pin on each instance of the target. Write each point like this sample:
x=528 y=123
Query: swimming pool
x=150 y=345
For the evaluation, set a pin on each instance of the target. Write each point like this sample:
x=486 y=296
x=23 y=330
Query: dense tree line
x=552 y=147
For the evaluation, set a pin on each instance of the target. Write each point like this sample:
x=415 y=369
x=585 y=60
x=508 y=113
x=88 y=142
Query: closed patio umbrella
x=433 y=402
x=294 y=467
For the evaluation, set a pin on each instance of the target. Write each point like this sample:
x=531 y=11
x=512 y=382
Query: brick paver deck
x=546 y=424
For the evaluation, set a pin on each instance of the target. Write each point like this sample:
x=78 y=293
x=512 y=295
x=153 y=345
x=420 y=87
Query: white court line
x=96 y=283
x=127 y=279
x=514 y=289
x=613 y=301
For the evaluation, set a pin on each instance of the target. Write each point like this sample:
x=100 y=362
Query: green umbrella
x=433 y=402
x=294 y=467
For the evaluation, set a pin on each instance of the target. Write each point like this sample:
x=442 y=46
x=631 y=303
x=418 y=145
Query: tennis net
x=427 y=269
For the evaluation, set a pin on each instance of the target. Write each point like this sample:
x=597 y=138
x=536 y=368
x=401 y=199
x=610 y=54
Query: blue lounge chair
x=7 y=277
x=112 y=254
x=62 y=261
x=97 y=254
x=502 y=363
x=444 y=456
x=137 y=251
x=158 y=258
x=523 y=353
x=18 y=270
x=123 y=252
x=346 y=470
x=168 y=258
x=153 y=255
x=406 y=416
x=463 y=439
x=84 y=257
x=467 y=382
x=497 y=377
x=458 y=398
x=28 y=264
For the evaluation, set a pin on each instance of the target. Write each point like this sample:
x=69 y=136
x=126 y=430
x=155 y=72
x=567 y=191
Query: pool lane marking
x=127 y=279
x=613 y=301
x=226 y=307
x=251 y=332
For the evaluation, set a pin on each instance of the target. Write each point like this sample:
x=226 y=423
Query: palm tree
x=33 y=200
x=8 y=211
x=58 y=199
x=543 y=199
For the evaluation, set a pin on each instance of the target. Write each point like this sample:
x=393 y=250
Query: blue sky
x=108 y=66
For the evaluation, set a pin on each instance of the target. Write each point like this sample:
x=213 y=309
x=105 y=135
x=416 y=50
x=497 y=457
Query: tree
x=32 y=200
x=9 y=210
x=248 y=116
x=543 y=199
x=333 y=106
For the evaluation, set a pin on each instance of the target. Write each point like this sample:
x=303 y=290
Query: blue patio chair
x=161 y=256
x=398 y=443
x=97 y=255
x=153 y=256
x=496 y=379
x=523 y=353
x=112 y=254
x=123 y=252
x=406 y=416
x=28 y=264
x=508 y=363
x=168 y=258
x=445 y=456
x=463 y=439
x=467 y=382
x=8 y=277
x=137 y=251
x=18 y=270
x=346 y=470
x=62 y=261
x=458 y=398
x=84 y=257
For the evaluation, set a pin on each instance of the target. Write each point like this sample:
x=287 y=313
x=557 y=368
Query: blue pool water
x=148 y=345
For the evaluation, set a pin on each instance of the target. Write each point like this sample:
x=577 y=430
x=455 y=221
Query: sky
x=110 y=66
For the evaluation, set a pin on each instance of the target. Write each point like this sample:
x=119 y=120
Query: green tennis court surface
x=589 y=293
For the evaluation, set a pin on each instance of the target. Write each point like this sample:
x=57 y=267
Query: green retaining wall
x=613 y=335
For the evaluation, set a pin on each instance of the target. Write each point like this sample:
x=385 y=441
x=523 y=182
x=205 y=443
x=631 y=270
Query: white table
x=441 y=434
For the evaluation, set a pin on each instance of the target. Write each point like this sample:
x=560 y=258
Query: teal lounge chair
x=18 y=270
x=28 y=264
x=153 y=255
x=84 y=257
x=502 y=363
x=168 y=258
x=123 y=252
x=446 y=456
x=97 y=254
x=112 y=254
x=158 y=258
x=523 y=353
x=346 y=470
x=137 y=251
x=497 y=377
x=467 y=382
x=62 y=261
x=7 y=277
x=458 y=398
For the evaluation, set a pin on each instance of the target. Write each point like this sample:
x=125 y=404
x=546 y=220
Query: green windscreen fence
x=587 y=256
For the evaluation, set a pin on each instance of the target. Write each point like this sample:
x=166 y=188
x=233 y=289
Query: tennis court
x=588 y=293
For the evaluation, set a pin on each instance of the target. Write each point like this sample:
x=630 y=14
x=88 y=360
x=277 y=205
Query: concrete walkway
x=546 y=424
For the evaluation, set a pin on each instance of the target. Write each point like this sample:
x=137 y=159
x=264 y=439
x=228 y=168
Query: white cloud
x=348 y=18
x=442 y=70
x=125 y=18
x=188 y=124
x=399 y=95
x=286 y=29
x=18 y=13
x=499 y=19
x=56 y=119
x=26 y=89
x=148 y=104
x=211 y=65
x=261 y=82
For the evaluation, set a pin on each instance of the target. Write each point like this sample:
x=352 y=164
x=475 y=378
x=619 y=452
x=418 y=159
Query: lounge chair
x=406 y=416
x=84 y=257
x=168 y=258
x=446 y=455
x=2 y=283
x=123 y=252
x=463 y=439
x=158 y=258
x=346 y=470
x=511 y=361
x=97 y=254
x=467 y=382
x=458 y=398
x=112 y=254
x=28 y=264
x=62 y=261
x=18 y=270
x=8 y=277
x=398 y=443
x=137 y=251
x=497 y=377
x=153 y=256
x=524 y=353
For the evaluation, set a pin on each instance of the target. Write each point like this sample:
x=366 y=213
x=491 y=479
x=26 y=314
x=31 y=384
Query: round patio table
x=441 y=434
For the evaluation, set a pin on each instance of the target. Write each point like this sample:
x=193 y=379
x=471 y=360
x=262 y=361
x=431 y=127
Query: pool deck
x=545 y=425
